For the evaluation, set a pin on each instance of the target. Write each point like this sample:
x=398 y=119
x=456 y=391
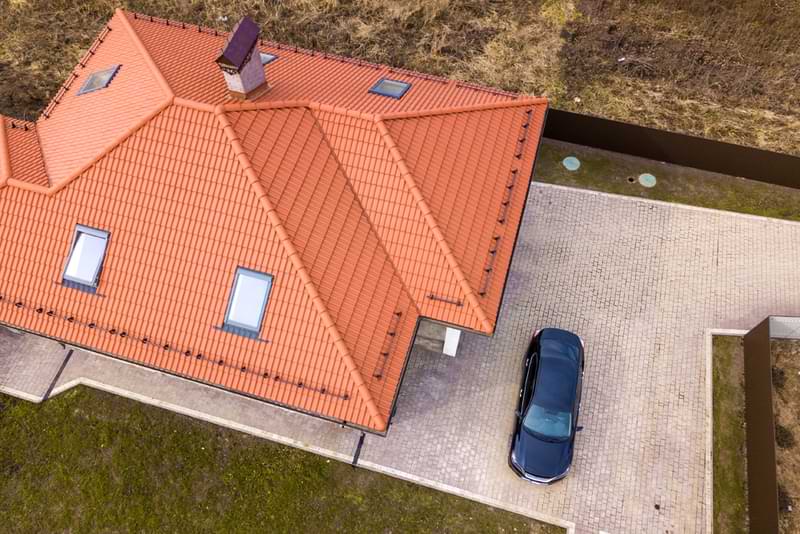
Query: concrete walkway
x=29 y=365
x=641 y=282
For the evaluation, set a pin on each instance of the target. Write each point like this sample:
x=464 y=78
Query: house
x=266 y=219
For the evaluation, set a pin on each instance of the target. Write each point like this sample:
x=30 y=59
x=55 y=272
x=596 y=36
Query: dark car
x=549 y=402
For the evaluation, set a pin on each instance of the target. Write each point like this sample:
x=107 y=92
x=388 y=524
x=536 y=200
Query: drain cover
x=571 y=163
x=647 y=179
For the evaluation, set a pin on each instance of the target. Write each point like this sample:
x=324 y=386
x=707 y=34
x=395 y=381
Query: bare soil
x=786 y=382
x=721 y=69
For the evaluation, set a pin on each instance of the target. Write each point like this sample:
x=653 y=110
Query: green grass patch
x=88 y=461
x=730 y=476
x=618 y=173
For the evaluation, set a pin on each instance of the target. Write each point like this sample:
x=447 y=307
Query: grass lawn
x=88 y=461
x=618 y=173
x=730 y=476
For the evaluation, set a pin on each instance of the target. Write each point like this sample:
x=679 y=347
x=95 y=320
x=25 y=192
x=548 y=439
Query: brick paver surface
x=28 y=364
x=640 y=282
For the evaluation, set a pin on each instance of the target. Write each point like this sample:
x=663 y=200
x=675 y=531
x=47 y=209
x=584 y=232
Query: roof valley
x=381 y=244
x=294 y=256
x=427 y=214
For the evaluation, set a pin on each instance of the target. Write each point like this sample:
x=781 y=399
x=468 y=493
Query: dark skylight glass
x=390 y=88
x=98 y=80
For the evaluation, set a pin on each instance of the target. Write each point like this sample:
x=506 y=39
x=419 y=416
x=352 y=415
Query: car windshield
x=548 y=423
x=549 y=415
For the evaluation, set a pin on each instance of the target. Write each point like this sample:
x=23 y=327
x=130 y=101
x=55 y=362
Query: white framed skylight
x=98 y=80
x=267 y=58
x=247 y=302
x=86 y=257
x=390 y=88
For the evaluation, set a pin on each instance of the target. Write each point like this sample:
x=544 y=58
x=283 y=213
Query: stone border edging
x=709 y=485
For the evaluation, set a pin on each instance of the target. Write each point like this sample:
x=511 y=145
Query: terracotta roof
x=24 y=152
x=369 y=212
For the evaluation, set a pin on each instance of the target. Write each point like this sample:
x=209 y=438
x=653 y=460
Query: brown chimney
x=240 y=61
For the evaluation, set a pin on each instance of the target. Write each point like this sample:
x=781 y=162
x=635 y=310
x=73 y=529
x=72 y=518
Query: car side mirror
x=579 y=429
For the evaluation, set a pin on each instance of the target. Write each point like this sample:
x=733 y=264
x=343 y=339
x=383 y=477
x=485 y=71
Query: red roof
x=368 y=211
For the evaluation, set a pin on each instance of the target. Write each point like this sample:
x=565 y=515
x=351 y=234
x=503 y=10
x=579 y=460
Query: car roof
x=555 y=383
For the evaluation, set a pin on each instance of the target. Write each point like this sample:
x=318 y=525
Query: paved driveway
x=640 y=281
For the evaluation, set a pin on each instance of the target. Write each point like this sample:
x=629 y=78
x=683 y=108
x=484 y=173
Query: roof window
x=86 y=258
x=98 y=80
x=247 y=302
x=267 y=58
x=390 y=88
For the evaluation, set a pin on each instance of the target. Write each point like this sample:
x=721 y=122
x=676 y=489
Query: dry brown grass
x=726 y=70
x=787 y=419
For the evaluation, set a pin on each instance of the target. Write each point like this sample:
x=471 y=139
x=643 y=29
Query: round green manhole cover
x=571 y=163
x=647 y=180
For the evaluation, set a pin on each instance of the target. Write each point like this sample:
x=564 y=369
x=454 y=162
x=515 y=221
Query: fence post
x=762 y=476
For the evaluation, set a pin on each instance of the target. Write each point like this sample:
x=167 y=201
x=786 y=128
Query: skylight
x=86 y=258
x=267 y=58
x=390 y=88
x=98 y=80
x=247 y=302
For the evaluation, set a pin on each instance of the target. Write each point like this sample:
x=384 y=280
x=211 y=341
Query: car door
x=529 y=379
x=578 y=393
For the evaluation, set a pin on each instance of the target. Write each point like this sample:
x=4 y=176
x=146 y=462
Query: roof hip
x=162 y=81
x=294 y=256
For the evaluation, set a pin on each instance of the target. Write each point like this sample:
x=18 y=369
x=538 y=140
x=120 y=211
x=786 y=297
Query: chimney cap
x=239 y=44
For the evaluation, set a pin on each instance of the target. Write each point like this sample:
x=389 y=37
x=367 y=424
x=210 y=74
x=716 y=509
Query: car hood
x=543 y=459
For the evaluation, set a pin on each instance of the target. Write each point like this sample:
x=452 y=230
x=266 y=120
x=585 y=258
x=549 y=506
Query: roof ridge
x=246 y=105
x=519 y=102
x=438 y=235
x=294 y=256
x=142 y=49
